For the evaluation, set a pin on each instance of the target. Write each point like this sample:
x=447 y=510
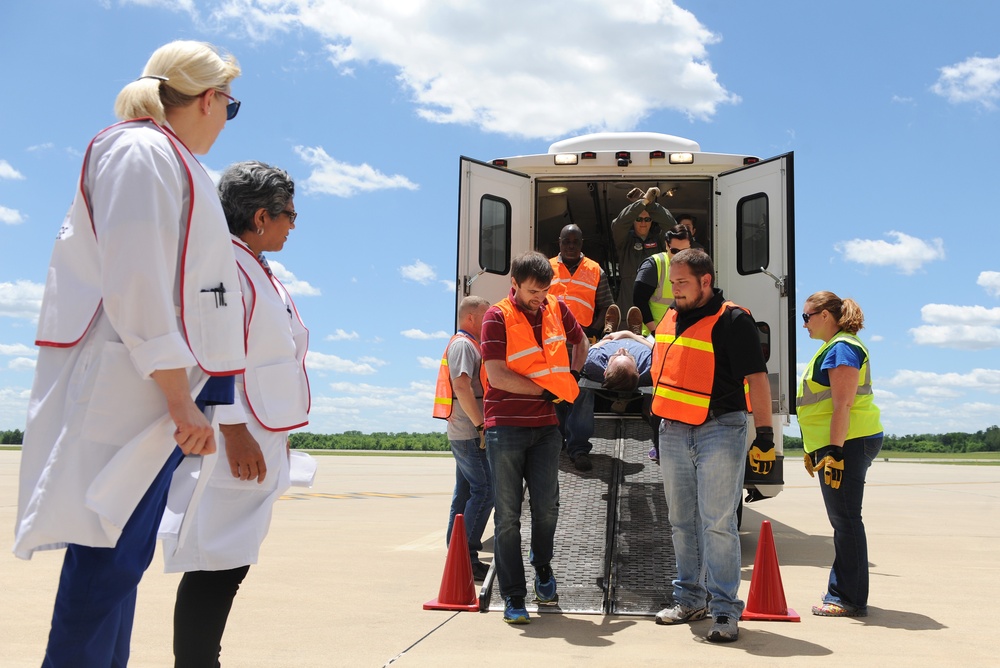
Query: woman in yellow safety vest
x=842 y=435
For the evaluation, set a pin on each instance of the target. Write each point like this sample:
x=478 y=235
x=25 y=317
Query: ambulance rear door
x=494 y=225
x=755 y=261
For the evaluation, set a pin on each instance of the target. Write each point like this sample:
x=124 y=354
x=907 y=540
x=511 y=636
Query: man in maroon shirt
x=524 y=348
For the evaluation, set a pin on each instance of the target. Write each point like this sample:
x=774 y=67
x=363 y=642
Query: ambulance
x=743 y=208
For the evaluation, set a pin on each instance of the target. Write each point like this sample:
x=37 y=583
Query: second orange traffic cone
x=766 y=600
x=458 y=590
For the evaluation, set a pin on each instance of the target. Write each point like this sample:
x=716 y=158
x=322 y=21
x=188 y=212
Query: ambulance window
x=752 y=234
x=494 y=234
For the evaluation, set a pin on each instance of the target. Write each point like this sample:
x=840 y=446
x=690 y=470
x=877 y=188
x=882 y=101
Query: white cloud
x=42 y=147
x=8 y=172
x=975 y=80
x=979 y=380
x=332 y=177
x=960 y=327
x=10 y=216
x=425 y=336
x=374 y=361
x=13 y=407
x=295 y=286
x=990 y=281
x=323 y=362
x=22 y=364
x=449 y=285
x=419 y=271
x=520 y=67
x=907 y=254
x=372 y=408
x=874 y=338
x=21 y=299
x=17 y=349
x=341 y=335
x=186 y=6
x=428 y=362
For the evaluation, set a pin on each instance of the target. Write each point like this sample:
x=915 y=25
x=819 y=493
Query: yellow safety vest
x=663 y=296
x=814 y=402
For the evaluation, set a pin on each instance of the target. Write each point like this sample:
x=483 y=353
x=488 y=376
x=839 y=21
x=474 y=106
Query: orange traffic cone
x=458 y=591
x=766 y=601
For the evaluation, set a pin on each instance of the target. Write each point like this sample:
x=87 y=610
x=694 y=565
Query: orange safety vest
x=685 y=368
x=548 y=364
x=444 y=395
x=578 y=290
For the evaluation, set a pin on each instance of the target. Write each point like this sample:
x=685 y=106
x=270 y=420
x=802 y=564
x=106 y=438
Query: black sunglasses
x=806 y=316
x=233 y=107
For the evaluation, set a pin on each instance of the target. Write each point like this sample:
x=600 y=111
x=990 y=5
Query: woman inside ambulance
x=271 y=399
x=842 y=435
x=134 y=320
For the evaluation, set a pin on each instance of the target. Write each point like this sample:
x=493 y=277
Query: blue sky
x=891 y=108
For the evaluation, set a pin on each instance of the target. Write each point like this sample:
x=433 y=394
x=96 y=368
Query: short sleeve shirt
x=464 y=357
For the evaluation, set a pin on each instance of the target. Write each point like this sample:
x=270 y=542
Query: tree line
x=987 y=440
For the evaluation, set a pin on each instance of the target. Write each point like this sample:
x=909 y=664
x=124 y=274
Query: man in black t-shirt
x=707 y=361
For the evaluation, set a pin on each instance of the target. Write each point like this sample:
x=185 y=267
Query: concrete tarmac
x=349 y=563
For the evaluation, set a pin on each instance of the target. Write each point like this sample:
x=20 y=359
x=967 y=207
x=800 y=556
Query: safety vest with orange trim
x=548 y=364
x=444 y=394
x=685 y=368
x=579 y=289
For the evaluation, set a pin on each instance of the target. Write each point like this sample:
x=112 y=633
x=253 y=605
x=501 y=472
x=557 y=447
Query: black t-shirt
x=737 y=352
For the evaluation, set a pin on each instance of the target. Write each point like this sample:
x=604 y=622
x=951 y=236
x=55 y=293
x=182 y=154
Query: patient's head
x=622 y=375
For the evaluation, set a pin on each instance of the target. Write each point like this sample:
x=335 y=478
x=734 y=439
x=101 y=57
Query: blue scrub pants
x=95 y=602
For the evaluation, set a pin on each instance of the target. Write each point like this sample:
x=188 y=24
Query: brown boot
x=634 y=320
x=612 y=319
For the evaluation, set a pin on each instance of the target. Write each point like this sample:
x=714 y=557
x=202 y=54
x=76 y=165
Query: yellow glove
x=829 y=458
x=761 y=454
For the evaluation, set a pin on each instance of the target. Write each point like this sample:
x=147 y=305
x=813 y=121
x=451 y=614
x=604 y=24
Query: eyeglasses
x=647 y=219
x=233 y=107
x=806 y=316
x=292 y=215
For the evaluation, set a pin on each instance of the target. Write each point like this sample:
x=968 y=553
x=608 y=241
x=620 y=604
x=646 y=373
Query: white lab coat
x=98 y=430
x=232 y=518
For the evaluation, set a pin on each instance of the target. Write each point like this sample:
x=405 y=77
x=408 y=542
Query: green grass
x=967 y=458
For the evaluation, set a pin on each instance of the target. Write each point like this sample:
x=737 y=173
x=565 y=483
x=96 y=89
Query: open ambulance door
x=494 y=225
x=755 y=265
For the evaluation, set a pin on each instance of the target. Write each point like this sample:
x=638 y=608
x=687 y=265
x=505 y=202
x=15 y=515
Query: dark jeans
x=848 y=584
x=204 y=599
x=518 y=455
x=473 y=496
x=576 y=423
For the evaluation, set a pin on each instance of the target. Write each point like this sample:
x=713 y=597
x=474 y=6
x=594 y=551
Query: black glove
x=576 y=375
x=830 y=458
x=762 y=453
x=548 y=396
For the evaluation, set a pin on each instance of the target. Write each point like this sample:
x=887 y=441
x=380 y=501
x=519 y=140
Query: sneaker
x=479 y=571
x=545 y=584
x=724 y=629
x=634 y=320
x=612 y=319
x=679 y=613
x=514 y=611
x=582 y=462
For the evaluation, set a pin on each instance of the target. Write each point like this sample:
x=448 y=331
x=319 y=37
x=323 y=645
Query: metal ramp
x=613 y=553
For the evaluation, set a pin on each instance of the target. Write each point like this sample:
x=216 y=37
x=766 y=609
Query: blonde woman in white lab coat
x=272 y=398
x=141 y=307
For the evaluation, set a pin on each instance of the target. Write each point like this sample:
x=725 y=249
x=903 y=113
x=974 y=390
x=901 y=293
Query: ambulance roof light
x=566 y=159
x=681 y=158
x=500 y=162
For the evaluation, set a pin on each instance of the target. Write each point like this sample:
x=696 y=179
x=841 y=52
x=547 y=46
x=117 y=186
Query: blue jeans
x=528 y=454
x=576 y=423
x=848 y=584
x=473 y=497
x=703 y=479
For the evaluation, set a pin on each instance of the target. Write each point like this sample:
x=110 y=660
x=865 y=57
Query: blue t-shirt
x=840 y=354
x=597 y=359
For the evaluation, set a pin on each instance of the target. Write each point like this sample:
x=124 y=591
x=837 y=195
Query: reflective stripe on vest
x=444 y=394
x=547 y=365
x=685 y=368
x=578 y=290
x=662 y=297
x=814 y=402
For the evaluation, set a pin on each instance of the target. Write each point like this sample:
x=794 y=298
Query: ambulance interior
x=593 y=205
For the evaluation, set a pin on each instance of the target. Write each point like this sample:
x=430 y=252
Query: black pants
x=204 y=599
